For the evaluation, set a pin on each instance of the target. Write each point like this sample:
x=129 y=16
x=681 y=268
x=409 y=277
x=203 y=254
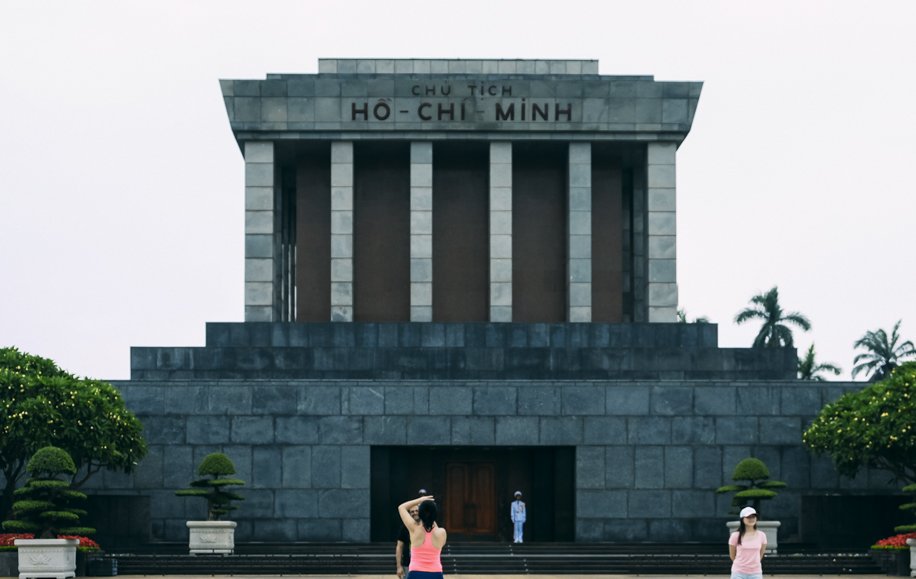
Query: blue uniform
x=518 y=515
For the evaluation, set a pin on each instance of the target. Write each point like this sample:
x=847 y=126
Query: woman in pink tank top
x=426 y=539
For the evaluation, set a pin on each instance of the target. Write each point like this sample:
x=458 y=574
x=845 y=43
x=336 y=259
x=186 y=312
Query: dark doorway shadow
x=473 y=487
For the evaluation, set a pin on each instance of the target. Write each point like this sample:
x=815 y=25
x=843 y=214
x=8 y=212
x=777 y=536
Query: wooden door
x=470 y=498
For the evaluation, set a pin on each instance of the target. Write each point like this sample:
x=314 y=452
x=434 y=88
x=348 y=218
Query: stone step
x=491 y=559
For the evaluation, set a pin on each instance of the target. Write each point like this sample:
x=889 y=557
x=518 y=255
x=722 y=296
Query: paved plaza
x=503 y=576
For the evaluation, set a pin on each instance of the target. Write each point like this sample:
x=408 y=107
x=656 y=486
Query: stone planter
x=769 y=528
x=912 y=544
x=211 y=537
x=893 y=561
x=47 y=558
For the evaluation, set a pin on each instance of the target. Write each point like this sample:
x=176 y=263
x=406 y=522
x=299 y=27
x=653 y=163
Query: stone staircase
x=483 y=558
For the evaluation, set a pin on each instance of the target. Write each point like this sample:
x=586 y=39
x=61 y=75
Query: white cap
x=518 y=493
x=747 y=511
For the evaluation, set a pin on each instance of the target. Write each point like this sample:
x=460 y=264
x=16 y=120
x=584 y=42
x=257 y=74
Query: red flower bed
x=6 y=539
x=86 y=544
x=895 y=542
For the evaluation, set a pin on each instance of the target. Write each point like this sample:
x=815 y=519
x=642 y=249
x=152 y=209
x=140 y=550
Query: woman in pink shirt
x=746 y=547
x=426 y=539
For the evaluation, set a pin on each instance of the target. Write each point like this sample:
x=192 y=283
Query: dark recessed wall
x=607 y=236
x=313 y=233
x=460 y=232
x=539 y=216
x=381 y=229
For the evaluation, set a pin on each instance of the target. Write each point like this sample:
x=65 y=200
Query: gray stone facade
x=500 y=101
x=476 y=351
x=645 y=418
x=648 y=453
x=649 y=449
x=593 y=106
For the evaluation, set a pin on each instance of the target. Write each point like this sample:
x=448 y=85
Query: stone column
x=579 y=248
x=640 y=259
x=661 y=230
x=500 y=232
x=260 y=266
x=342 y=231
x=421 y=232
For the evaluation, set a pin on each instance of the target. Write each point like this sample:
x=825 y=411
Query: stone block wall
x=474 y=351
x=648 y=453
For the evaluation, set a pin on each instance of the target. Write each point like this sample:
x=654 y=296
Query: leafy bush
x=42 y=405
x=872 y=427
x=215 y=469
x=45 y=502
x=756 y=488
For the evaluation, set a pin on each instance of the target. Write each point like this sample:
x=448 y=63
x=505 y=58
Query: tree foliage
x=910 y=507
x=872 y=427
x=45 y=505
x=774 y=331
x=215 y=469
x=752 y=486
x=882 y=353
x=42 y=405
x=810 y=369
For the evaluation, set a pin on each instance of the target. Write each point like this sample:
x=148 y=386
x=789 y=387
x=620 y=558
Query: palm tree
x=881 y=355
x=808 y=367
x=774 y=333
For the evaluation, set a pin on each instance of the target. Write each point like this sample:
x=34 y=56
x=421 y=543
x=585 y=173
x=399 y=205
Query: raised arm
x=405 y=507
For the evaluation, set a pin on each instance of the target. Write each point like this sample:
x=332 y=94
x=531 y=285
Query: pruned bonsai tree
x=213 y=486
x=908 y=506
x=752 y=485
x=44 y=506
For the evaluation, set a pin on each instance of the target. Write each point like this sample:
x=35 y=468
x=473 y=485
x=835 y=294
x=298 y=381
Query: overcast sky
x=121 y=185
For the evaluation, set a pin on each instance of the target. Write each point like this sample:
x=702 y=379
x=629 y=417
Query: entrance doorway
x=473 y=487
x=470 y=501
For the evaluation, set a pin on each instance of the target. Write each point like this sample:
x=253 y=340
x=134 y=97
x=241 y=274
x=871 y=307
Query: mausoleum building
x=462 y=275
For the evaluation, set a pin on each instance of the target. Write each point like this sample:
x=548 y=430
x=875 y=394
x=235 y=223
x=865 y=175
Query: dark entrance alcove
x=473 y=487
x=849 y=521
